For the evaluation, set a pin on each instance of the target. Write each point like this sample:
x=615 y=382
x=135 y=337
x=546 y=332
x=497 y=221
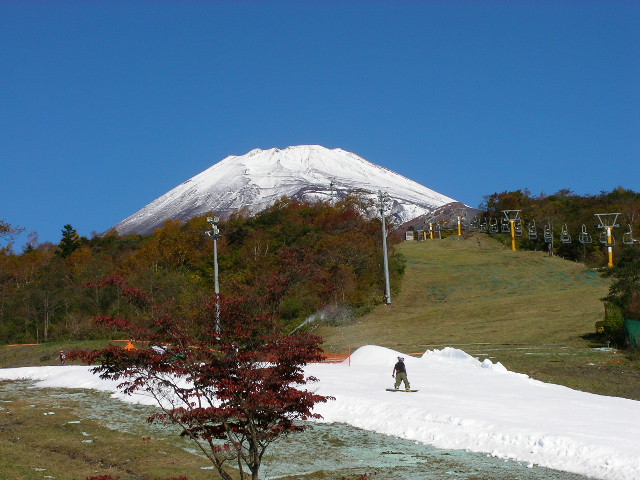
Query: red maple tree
x=232 y=382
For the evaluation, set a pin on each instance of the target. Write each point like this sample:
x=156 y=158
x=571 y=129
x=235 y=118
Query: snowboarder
x=62 y=357
x=400 y=374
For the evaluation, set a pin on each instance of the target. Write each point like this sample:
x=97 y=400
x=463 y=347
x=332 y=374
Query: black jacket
x=400 y=368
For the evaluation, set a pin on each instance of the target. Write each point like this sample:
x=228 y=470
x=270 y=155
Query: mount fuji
x=256 y=180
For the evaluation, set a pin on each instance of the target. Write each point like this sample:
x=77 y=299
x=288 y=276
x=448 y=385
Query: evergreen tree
x=626 y=281
x=69 y=243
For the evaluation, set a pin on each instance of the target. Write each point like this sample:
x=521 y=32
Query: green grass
x=42 y=354
x=533 y=313
x=48 y=435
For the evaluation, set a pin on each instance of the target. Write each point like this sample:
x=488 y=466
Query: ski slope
x=462 y=404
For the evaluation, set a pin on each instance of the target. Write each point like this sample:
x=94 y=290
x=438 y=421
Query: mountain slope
x=458 y=291
x=257 y=179
x=533 y=313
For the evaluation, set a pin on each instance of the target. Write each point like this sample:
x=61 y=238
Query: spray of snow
x=331 y=314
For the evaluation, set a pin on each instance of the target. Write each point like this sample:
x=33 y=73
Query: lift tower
x=512 y=217
x=607 y=222
x=460 y=214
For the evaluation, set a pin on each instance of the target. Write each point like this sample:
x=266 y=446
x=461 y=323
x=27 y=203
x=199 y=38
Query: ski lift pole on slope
x=428 y=229
x=512 y=216
x=215 y=234
x=460 y=213
x=607 y=222
x=382 y=196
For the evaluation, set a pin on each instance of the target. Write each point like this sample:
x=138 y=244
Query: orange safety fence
x=341 y=357
x=330 y=357
x=335 y=357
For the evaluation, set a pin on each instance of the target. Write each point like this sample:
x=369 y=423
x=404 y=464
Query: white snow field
x=462 y=403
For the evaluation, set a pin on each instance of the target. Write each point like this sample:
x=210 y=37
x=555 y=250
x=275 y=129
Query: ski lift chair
x=607 y=222
x=548 y=234
x=518 y=228
x=604 y=239
x=505 y=227
x=564 y=235
x=627 y=238
x=493 y=226
x=584 y=237
x=533 y=233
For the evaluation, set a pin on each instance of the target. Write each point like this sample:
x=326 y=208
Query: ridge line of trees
x=565 y=208
x=306 y=256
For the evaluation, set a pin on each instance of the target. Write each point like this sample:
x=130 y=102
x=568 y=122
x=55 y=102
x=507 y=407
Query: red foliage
x=248 y=396
x=132 y=294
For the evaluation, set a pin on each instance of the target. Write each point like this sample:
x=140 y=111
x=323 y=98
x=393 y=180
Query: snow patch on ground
x=462 y=403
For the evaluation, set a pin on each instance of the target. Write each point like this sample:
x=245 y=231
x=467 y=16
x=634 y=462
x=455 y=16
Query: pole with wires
x=387 y=295
x=215 y=234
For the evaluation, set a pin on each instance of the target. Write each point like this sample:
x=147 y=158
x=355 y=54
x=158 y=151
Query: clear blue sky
x=105 y=106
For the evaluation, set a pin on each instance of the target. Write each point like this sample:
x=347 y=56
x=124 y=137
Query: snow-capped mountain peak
x=257 y=179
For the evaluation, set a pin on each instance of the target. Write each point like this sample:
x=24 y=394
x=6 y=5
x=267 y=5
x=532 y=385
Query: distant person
x=129 y=346
x=62 y=357
x=400 y=374
x=232 y=353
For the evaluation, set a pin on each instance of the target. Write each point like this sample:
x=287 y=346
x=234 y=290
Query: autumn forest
x=303 y=258
x=300 y=259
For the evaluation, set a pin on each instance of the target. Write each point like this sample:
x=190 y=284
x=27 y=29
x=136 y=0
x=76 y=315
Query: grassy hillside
x=533 y=313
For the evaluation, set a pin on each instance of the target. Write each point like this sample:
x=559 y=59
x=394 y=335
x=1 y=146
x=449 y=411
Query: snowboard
x=401 y=390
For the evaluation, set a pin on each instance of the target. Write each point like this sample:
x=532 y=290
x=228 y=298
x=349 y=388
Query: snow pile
x=462 y=404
